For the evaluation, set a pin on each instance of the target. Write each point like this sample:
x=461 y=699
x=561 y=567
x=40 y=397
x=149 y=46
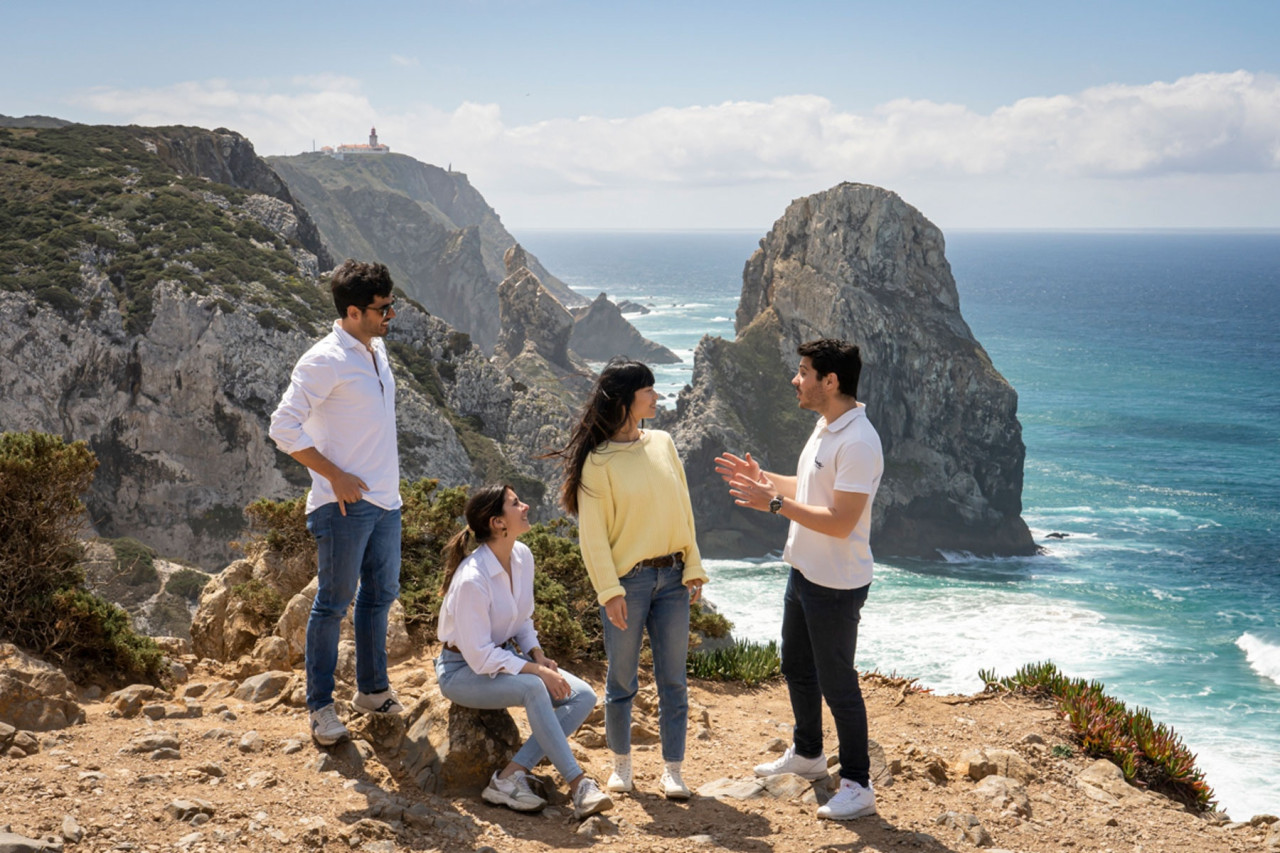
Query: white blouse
x=481 y=610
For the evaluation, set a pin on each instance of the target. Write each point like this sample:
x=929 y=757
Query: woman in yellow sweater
x=627 y=487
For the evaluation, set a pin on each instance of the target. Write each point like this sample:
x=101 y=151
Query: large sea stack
x=857 y=262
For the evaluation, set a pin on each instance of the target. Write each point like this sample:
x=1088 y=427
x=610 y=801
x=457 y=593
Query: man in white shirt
x=338 y=418
x=828 y=502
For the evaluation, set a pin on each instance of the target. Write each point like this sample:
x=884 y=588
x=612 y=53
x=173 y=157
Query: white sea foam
x=941 y=633
x=1263 y=657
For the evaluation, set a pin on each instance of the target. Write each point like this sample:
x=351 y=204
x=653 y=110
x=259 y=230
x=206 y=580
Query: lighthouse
x=373 y=137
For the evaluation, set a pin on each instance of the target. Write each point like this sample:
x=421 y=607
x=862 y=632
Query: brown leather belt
x=663 y=562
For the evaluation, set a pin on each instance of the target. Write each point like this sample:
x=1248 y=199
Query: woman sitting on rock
x=491 y=658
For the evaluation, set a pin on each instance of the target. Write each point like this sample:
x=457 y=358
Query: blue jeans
x=658 y=600
x=550 y=722
x=362 y=547
x=819 y=639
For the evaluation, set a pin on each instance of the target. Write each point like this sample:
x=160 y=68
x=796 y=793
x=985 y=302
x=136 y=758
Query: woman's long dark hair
x=604 y=413
x=482 y=507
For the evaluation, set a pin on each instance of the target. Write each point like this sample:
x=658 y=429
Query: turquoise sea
x=1147 y=366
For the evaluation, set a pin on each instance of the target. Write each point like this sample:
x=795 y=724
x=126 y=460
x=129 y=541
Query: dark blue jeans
x=819 y=640
x=358 y=556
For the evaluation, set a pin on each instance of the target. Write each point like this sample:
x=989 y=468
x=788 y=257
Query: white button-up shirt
x=341 y=400
x=483 y=609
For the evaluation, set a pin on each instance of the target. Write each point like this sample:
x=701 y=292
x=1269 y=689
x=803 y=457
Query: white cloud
x=404 y=61
x=1201 y=125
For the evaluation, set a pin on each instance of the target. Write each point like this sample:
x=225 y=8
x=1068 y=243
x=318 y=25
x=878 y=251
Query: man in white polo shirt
x=828 y=502
x=338 y=418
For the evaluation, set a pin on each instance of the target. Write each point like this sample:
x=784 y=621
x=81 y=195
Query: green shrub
x=430 y=516
x=707 y=622
x=281 y=525
x=1150 y=754
x=186 y=584
x=565 y=612
x=42 y=594
x=135 y=562
x=41 y=480
x=744 y=661
x=260 y=599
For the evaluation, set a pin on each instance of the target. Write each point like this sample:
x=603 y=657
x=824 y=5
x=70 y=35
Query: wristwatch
x=775 y=505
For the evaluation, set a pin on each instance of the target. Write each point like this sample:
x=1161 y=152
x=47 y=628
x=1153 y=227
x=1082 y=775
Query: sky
x=712 y=115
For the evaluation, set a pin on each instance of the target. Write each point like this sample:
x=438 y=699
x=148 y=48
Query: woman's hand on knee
x=556 y=683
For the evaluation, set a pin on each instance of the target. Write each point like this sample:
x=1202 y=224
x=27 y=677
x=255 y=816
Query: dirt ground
x=217 y=785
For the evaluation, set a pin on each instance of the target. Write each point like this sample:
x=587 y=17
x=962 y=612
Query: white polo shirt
x=843 y=456
x=341 y=400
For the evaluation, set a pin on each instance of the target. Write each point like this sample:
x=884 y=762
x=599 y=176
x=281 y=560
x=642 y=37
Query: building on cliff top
x=374 y=147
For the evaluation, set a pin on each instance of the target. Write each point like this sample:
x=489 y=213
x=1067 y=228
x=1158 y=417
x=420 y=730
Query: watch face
x=775 y=505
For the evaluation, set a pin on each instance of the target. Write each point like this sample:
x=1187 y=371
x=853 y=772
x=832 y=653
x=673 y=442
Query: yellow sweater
x=633 y=505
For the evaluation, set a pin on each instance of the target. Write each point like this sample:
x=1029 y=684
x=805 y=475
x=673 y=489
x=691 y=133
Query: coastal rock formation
x=533 y=347
x=857 y=262
x=163 y=325
x=600 y=332
x=442 y=241
x=225 y=157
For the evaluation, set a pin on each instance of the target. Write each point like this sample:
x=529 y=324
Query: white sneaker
x=382 y=702
x=673 y=786
x=588 y=799
x=852 y=800
x=806 y=768
x=620 y=779
x=326 y=728
x=513 y=792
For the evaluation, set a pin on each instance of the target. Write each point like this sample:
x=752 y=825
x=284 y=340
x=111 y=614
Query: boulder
x=1006 y=794
x=967 y=828
x=34 y=695
x=451 y=749
x=263 y=687
x=128 y=701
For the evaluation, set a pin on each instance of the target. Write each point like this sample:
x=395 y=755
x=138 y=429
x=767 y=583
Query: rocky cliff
x=600 y=332
x=157 y=313
x=442 y=241
x=857 y=262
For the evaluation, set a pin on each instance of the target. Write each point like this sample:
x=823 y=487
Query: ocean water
x=1148 y=372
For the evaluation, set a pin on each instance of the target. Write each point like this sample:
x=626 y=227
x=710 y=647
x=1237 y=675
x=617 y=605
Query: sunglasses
x=384 y=310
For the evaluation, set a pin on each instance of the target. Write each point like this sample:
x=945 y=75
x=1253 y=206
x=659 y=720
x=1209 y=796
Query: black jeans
x=819 y=639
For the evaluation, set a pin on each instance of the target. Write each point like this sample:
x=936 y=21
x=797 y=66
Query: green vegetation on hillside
x=47 y=608
x=1149 y=754
x=95 y=199
x=565 y=609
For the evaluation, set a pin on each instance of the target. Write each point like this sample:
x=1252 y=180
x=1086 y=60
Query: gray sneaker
x=852 y=800
x=326 y=728
x=512 y=792
x=588 y=799
x=382 y=702
x=806 y=768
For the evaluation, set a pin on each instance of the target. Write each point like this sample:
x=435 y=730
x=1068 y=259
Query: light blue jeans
x=551 y=722
x=657 y=600
x=358 y=556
